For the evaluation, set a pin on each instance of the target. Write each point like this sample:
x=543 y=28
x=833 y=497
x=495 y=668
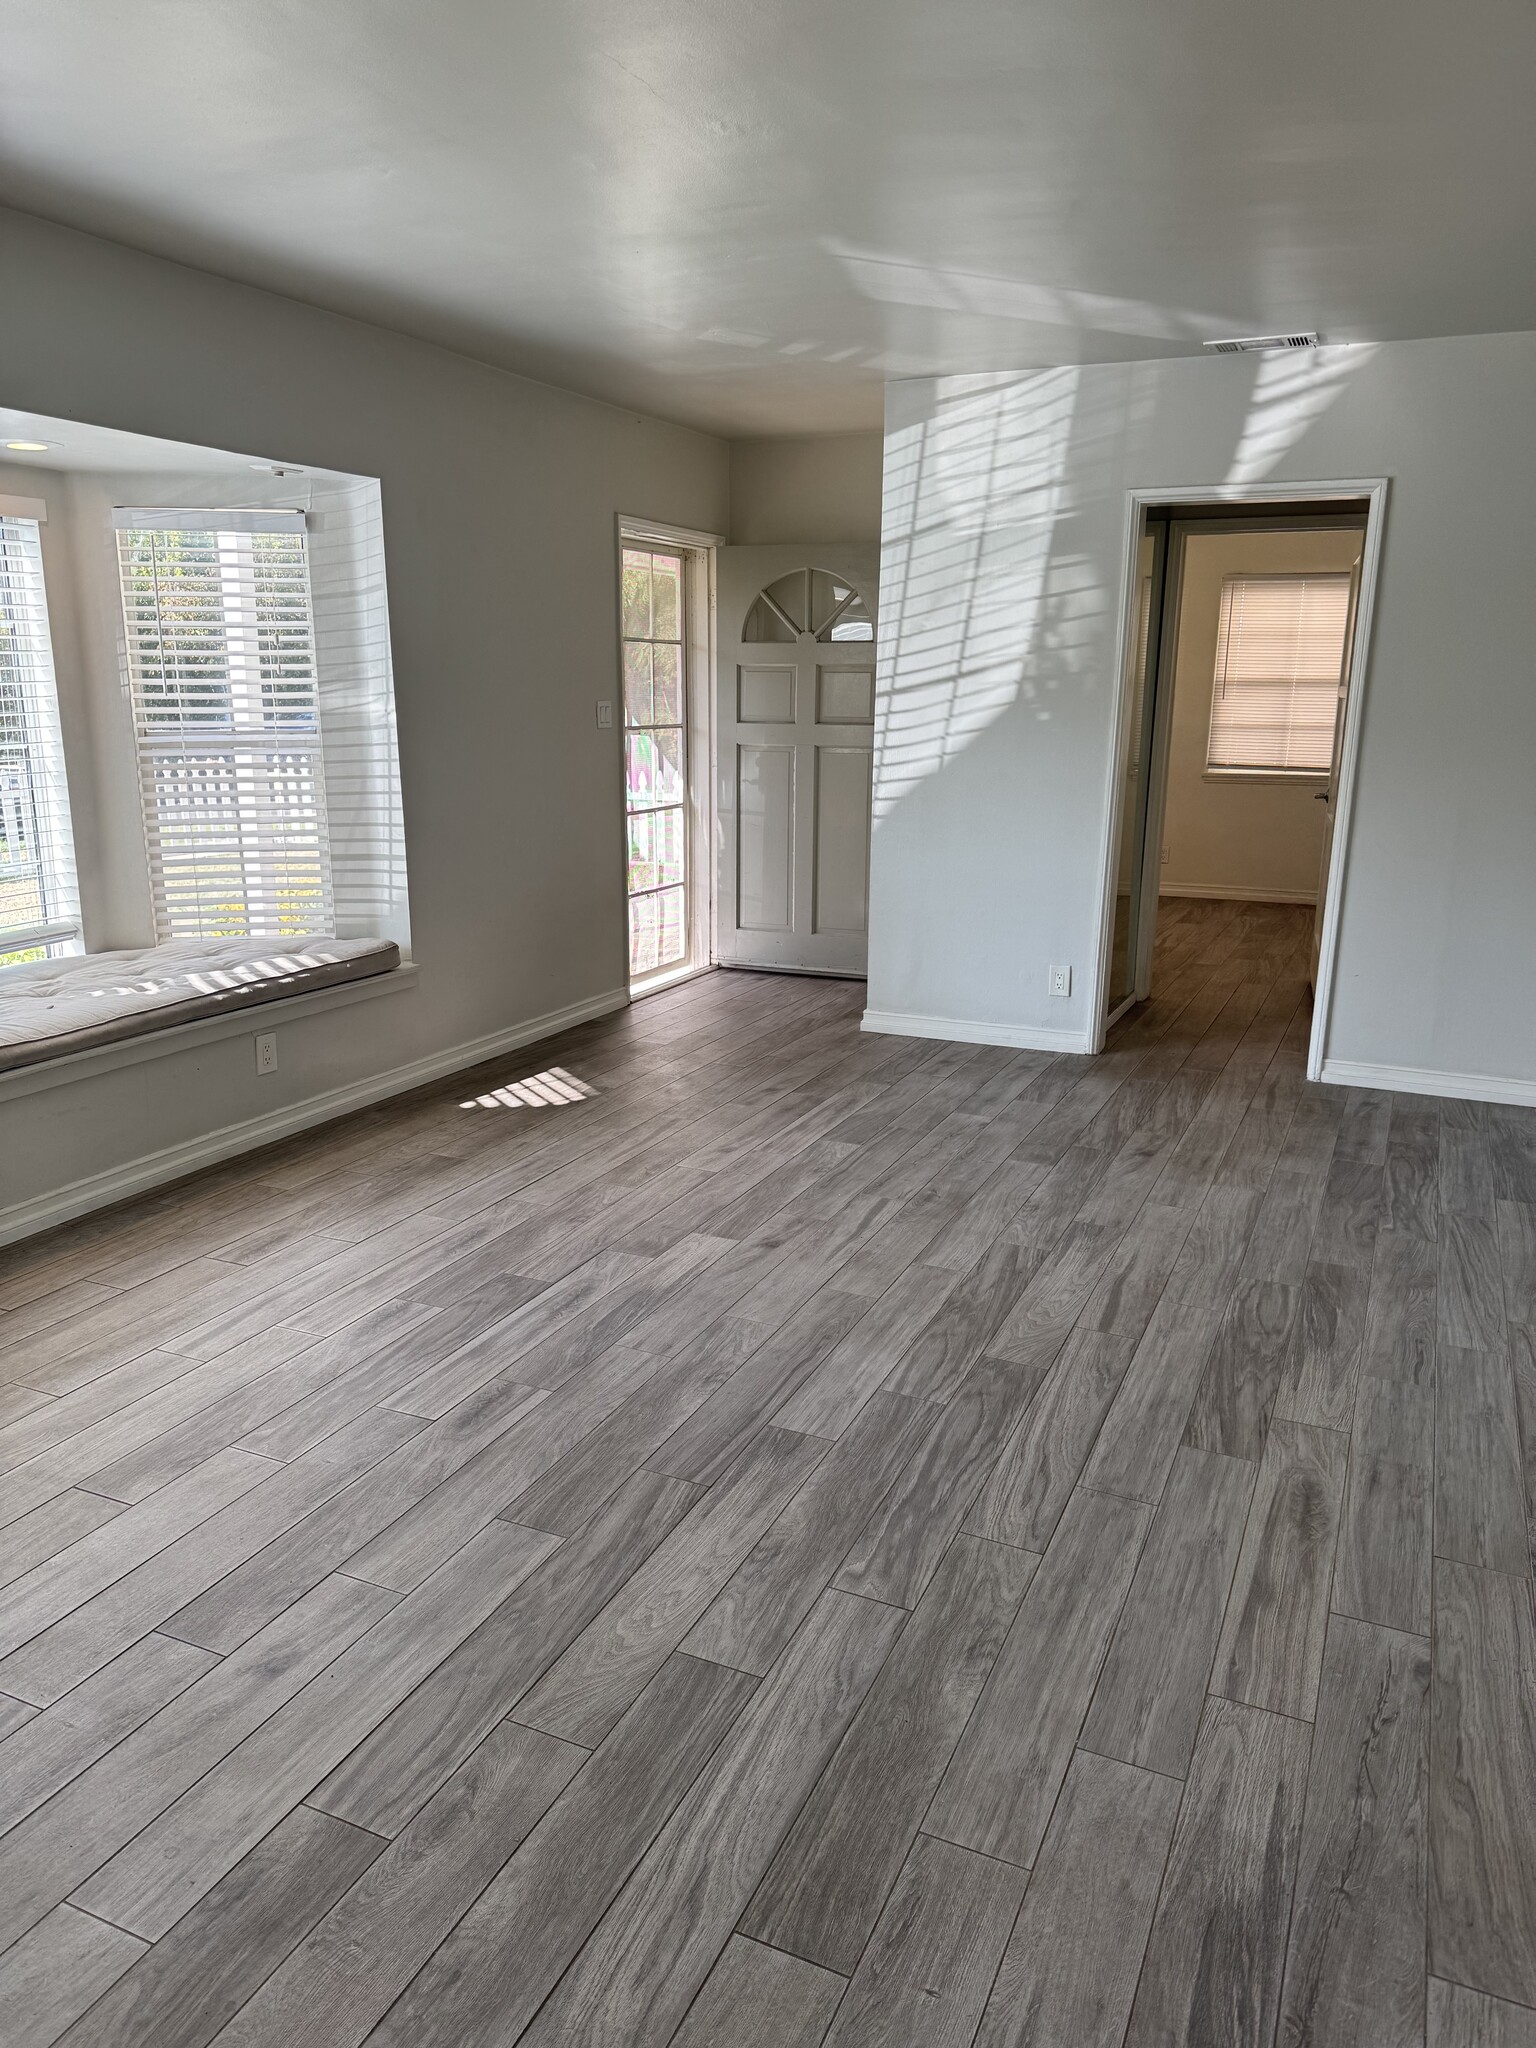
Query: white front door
x=794 y=755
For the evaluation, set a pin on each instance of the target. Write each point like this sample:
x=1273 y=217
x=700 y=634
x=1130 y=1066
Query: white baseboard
x=153 y=1169
x=1428 y=1081
x=960 y=1030
x=1223 y=892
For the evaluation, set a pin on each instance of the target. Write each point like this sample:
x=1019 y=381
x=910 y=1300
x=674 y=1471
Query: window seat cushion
x=53 y=1007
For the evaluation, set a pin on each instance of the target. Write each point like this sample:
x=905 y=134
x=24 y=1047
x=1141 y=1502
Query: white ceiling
x=748 y=214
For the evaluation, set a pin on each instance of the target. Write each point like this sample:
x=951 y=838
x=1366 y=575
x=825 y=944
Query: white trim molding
x=1427 y=1081
x=1234 y=892
x=176 y=1162
x=963 y=1031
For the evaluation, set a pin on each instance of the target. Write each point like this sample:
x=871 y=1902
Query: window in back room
x=1279 y=661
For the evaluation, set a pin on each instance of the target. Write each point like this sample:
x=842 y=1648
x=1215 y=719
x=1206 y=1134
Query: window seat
x=54 y=1007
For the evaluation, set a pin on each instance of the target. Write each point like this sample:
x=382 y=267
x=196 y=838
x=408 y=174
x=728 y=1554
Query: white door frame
x=1374 y=491
x=698 y=551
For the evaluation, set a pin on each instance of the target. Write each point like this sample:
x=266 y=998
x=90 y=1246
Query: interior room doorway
x=1245 y=638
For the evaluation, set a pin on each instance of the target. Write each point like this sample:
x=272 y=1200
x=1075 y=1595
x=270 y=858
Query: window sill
x=174 y=1038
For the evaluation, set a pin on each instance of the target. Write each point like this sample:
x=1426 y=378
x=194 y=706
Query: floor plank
x=637 y=1975
x=1217 y=1946
x=1382 y=1570
x=926 y=1971
x=583 y=1694
x=347 y=1972
x=1070 y=1970
x=755 y=1995
x=1459 y=2018
x=997 y=1794
x=1146 y=1706
x=1480 y=1508
x=1482 y=1910
x=1354 y=1971
x=394 y=1770
x=823 y=1893
x=181 y=1855
x=182 y=1991
x=56 y=1971
x=1271 y=1649
x=505 y=1955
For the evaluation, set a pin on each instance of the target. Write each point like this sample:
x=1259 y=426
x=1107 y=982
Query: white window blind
x=39 y=904
x=1279 y=663
x=226 y=708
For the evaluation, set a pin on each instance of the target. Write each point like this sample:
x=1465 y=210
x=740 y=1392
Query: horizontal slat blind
x=226 y=706
x=39 y=905
x=1279 y=663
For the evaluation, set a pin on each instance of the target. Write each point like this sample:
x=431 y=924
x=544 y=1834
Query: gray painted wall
x=806 y=487
x=500 y=498
x=1005 y=524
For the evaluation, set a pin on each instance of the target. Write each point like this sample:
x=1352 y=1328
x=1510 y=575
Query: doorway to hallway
x=1238 y=744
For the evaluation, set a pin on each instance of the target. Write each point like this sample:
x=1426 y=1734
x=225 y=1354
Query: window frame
x=59 y=930
x=698 y=629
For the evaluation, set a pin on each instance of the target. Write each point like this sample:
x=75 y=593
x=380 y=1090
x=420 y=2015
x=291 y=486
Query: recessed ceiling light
x=30 y=447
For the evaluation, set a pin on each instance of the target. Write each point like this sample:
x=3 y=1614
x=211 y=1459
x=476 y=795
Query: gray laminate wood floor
x=803 y=1538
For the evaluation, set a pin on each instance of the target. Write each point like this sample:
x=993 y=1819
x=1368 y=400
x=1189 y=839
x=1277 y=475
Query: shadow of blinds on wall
x=257 y=649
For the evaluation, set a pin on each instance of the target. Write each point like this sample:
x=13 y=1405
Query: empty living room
x=767 y=1025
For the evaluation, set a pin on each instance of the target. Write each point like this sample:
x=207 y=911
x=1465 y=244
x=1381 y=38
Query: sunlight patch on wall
x=969 y=585
x=1291 y=389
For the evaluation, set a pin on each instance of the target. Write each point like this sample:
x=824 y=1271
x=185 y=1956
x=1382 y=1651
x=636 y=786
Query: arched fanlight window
x=810 y=601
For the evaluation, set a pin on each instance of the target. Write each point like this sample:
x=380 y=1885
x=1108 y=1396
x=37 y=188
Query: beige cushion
x=61 y=1006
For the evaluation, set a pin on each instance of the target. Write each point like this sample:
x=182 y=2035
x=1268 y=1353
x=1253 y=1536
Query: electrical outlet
x=266 y=1052
x=604 y=712
x=1165 y=856
x=1060 y=981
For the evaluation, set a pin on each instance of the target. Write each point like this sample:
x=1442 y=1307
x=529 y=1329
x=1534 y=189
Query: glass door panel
x=655 y=759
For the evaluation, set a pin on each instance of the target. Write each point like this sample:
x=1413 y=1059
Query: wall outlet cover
x=1060 y=982
x=266 y=1052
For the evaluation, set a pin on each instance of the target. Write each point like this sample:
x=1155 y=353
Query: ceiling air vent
x=1249 y=344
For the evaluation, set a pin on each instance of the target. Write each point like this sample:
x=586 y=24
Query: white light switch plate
x=604 y=712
